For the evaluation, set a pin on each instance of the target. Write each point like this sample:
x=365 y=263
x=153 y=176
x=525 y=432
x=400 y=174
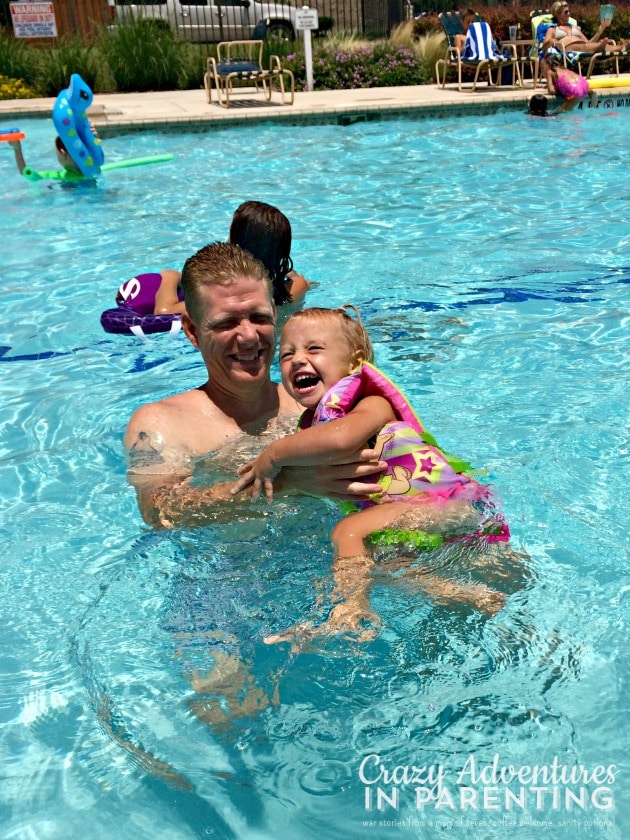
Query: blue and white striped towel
x=480 y=45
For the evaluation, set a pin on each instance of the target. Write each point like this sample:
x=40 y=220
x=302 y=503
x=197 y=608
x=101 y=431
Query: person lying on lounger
x=569 y=36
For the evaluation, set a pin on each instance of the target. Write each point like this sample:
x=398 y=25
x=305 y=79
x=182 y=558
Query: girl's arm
x=166 y=299
x=324 y=443
x=298 y=286
x=19 y=156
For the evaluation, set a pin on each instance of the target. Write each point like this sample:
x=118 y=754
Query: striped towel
x=480 y=45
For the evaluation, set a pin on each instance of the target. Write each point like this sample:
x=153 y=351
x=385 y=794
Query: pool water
x=489 y=258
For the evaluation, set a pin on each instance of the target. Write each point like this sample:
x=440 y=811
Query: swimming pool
x=489 y=259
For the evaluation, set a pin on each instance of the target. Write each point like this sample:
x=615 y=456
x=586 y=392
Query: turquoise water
x=489 y=257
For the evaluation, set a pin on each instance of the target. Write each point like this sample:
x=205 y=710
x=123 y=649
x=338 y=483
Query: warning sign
x=306 y=18
x=33 y=20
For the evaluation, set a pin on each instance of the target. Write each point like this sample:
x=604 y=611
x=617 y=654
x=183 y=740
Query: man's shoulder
x=168 y=405
x=167 y=418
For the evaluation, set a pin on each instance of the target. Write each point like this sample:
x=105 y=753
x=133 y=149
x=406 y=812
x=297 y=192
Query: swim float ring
x=71 y=122
x=134 y=313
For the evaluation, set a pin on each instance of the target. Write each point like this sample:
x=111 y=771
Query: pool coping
x=118 y=113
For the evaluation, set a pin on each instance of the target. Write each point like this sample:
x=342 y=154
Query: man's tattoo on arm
x=146 y=451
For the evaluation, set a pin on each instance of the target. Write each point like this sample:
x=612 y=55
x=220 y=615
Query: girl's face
x=313 y=357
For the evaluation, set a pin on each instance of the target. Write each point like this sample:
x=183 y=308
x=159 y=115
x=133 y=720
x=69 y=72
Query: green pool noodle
x=139 y=161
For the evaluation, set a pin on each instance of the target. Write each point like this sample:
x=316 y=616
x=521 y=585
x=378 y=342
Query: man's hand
x=336 y=481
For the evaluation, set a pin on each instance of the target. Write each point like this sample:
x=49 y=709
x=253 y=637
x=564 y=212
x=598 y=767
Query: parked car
x=207 y=21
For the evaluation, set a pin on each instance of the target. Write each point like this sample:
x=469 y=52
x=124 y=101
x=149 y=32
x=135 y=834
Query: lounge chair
x=241 y=63
x=541 y=21
x=484 y=55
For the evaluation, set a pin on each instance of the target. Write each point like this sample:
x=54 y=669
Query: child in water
x=259 y=228
x=325 y=361
x=537 y=106
x=69 y=172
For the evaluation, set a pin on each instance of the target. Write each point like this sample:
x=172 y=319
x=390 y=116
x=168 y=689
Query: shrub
x=57 y=65
x=17 y=60
x=379 y=64
x=346 y=41
x=426 y=24
x=325 y=25
x=428 y=47
x=144 y=55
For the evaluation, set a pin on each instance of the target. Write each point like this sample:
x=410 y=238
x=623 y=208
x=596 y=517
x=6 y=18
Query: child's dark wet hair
x=553 y=60
x=538 y=105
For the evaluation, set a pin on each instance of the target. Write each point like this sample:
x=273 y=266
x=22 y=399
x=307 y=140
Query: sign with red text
x=33 y=20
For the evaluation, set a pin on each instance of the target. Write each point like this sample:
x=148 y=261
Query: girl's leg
x=353 y=566
x=447 y=590
x=450 y=518
x=349 y=534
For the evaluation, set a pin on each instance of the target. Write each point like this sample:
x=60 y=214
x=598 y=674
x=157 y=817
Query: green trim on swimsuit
x=391 y=536
x=418 y=539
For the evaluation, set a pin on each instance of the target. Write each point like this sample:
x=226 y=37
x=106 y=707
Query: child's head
x=265 y=232
x=538 y=105
x=553 y=60
x=318 y=347
x=468 y=17
x=63 y=157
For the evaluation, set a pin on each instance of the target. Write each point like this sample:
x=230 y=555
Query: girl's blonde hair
x=351 y=328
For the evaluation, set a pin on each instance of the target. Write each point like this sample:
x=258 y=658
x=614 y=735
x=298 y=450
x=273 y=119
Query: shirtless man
x=230 y=319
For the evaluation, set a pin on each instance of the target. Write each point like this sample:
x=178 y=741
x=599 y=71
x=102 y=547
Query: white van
x=207 y=21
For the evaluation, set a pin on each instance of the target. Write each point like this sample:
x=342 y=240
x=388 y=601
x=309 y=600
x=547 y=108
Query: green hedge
x=136 y=56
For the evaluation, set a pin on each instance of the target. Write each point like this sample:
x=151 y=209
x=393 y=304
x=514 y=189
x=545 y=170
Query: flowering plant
x=15 y=89
x=379 y=64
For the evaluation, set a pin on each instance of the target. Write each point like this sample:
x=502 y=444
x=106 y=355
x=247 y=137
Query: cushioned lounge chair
x=241 y=63
x=578 y=61
x=482 y=55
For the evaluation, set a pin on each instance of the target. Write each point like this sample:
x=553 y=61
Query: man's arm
x=161 y=467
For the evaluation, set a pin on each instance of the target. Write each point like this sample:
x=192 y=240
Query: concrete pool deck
x=115 y=113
